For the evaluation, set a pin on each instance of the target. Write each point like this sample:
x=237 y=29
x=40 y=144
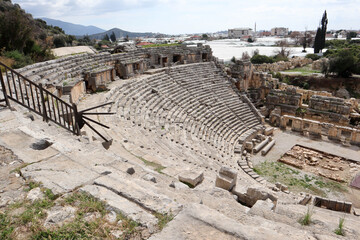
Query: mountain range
x=94 y=32
x=74 y=29
x=119 y=33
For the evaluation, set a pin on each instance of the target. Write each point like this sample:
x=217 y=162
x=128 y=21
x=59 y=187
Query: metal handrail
x=34 y=97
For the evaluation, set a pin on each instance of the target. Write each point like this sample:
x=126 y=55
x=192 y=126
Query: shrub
x=20 y=59
x=279 y=57
x=59 y=42
x=259 y=59
x=343 y=63
x=312 y=56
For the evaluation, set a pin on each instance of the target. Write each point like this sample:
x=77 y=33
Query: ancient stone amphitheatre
x=187 y=140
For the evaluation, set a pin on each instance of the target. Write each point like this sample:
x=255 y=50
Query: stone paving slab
x=8 y=120
x=197 y=221
x=59 y=173
x=20 y=143
x=145 y=195
x=124 y=206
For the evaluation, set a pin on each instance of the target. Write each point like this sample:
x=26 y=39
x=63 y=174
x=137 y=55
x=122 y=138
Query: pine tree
x=319 y=43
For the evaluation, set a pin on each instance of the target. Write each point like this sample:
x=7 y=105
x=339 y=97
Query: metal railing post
x=4 y=89
x=45 y=117
x=77 y=119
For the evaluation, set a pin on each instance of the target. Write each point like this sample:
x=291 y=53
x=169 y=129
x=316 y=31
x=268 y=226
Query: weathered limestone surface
x=226 y=178
x=144 y=195
x=123 y=205
x=191 y=177
x=59 y=173
x=200 y=222
x=21 y=143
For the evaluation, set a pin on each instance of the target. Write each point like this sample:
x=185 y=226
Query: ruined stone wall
x=289 y=101
x=323 y=109
x=330 y=104
x=318 y=128
x=282 y=66
x=77 y=91
x=306 y=94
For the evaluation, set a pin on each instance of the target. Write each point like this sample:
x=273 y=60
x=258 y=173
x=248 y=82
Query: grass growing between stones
x=157 y=167
x=296 y=180
x=306 y=219
x=25 y=219
x=163 y=219
x=340 y=230
x=24 y=215
x=17 y=170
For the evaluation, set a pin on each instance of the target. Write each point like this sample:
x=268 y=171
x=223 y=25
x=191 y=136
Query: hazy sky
x=193 y=16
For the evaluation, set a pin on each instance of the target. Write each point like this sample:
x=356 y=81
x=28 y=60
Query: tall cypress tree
x=319 y=43
x=113 y=37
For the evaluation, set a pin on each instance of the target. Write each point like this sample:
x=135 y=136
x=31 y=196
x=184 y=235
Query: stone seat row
x=142 y=102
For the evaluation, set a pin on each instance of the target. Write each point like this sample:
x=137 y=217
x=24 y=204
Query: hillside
x=74 y=29
x=119 y=33
x=25 y=40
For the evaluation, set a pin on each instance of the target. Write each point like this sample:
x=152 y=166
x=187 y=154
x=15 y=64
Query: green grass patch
x=32 y=185
x=156 y=166
x=85 y=203
x=28 y=218
x=296 y=180
x=161 y=45
x=128 y=226
x=77 y=229
x=6 y=227
x=305 y=70
x=163 y=219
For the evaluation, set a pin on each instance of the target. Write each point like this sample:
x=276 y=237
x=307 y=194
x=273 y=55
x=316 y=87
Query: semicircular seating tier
x=194 y=103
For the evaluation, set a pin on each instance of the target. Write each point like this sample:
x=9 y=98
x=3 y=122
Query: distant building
x=239 y=32
x=279 y=31
x=265 y=34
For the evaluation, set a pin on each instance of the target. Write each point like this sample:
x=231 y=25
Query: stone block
x=192 y=178
x=347 y=207
x=226 y=179
x=35 y=194
x=282 y=187
x=305 y=200
x=268 y=131
x=149 y=177
x=261 y=207
x=178 y=185
x=249 y=146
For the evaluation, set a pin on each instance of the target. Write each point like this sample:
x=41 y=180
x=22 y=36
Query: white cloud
x=179 y=16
